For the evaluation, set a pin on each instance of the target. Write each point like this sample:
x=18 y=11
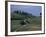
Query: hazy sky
x=35 y=10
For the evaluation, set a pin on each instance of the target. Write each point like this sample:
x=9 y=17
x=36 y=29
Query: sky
x=35 y=10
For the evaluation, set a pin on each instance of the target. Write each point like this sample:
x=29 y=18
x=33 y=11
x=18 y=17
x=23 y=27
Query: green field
x=18 y=18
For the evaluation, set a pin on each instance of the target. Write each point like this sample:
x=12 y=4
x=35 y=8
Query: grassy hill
x=31 y=22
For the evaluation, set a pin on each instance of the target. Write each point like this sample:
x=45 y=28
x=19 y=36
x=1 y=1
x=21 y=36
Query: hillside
x=23 y=21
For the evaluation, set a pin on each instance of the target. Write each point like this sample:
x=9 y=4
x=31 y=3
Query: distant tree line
x=22 y=12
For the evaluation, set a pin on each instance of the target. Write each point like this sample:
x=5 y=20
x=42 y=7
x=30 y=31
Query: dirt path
x=29 y=28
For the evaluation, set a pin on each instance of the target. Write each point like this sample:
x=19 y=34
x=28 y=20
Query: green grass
x=16 y=19
x=35 y=24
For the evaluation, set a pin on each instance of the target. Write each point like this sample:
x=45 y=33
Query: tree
x=16 y=11
x=40 y=14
